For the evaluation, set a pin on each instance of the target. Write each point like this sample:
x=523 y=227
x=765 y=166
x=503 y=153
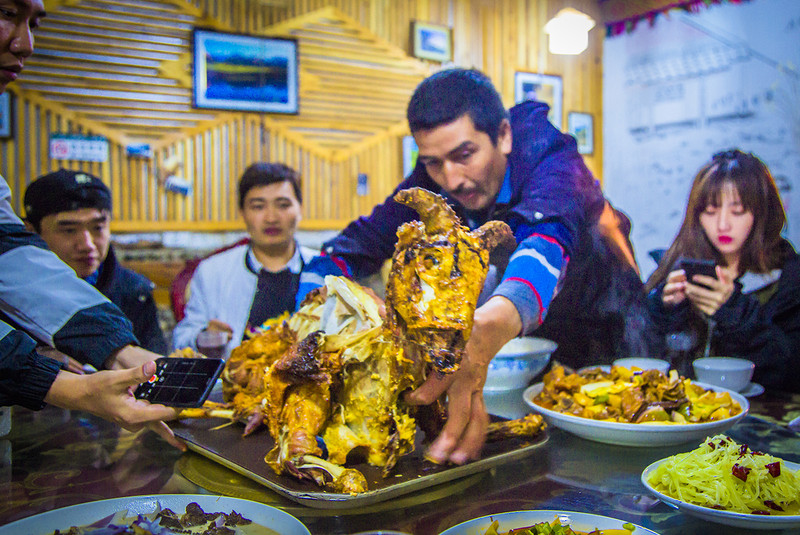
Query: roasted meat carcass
x=328 y=381
x=299 y=404
x=366 y=418
x=438 y=270
x=370 y=417
x=341 y=389
x=328 y=376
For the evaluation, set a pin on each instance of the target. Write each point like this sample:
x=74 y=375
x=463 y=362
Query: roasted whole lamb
x=328 y=380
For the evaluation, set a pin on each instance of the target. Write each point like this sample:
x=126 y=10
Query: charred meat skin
x=301 y=363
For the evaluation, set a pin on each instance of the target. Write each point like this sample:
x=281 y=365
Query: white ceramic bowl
x=643 y=363
x=727 y=372
x=517 y=362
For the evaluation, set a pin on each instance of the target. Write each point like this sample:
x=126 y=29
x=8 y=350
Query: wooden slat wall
x=496 y=36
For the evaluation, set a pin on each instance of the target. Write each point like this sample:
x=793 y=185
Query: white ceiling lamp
x=569 y=31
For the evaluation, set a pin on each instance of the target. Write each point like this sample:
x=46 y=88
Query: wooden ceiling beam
x=99 y=94
x=105 y=115
x=108 y=80
x=120 y=43
x=123 y=31
x=113 y=52
x=153 y=90
x=57 y=109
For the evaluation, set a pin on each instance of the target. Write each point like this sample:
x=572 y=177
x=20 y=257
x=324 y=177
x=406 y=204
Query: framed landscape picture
x=545 y=88
x=431 y=41
x=581 y=127
x=244 y=72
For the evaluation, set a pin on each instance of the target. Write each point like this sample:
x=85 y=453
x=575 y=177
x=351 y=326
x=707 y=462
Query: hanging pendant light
x=569 y=31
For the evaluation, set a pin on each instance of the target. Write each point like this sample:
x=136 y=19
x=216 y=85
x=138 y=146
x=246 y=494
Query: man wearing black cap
x=71 y=211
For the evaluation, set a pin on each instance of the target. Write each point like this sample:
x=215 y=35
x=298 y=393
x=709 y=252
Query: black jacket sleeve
x=147 y=329
x=92 y=334
x=768 y=334
x=25 y=376
x=667 y=319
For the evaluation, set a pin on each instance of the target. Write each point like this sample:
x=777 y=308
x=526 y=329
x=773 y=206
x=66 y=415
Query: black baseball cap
x=63 y=191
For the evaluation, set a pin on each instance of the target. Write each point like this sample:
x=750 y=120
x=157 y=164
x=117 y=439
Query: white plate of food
x=637 y=434
x=788 y=519
x=266 y=520
x=580 y=522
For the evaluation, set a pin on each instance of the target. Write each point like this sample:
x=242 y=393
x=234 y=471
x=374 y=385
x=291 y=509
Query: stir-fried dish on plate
x=556 y=528
x=633 y=396
x=168 y=522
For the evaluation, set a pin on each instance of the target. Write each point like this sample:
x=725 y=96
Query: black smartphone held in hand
x=181 y=382
x=697 y=266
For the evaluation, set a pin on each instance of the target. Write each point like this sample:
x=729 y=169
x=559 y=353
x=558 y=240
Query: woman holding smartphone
x=751 y=308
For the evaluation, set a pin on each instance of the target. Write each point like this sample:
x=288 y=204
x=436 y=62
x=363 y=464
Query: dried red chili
x=774 y=468
x=740 y=472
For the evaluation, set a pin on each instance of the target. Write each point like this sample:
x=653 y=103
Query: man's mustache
x=461 y=190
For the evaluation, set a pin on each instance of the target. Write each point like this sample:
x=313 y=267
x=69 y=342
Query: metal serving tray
x=245 y=456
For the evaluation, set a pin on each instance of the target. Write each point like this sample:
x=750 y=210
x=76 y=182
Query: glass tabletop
x=54 y=458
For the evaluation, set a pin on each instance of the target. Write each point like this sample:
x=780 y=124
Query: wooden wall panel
x=496 y=36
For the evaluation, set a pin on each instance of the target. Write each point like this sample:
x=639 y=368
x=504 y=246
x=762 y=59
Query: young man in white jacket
x=236 y=290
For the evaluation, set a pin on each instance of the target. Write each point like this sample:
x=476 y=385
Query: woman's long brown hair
x=750 y=177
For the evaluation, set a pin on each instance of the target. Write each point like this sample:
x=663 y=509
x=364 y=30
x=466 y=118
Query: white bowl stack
x=511 y=371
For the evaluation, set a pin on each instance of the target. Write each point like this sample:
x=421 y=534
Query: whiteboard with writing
x=690 y=86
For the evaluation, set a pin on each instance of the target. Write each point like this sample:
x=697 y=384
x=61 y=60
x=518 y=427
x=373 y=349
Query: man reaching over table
x=572 y=260
x=41 y=297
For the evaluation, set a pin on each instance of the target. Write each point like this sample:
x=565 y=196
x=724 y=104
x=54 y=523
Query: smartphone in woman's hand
x=697 y=266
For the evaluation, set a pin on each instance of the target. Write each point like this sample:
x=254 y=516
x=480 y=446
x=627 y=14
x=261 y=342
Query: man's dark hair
x=447 y=95
x=264 y=174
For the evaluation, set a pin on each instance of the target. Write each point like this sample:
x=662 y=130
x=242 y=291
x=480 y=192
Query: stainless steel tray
x=245 y=456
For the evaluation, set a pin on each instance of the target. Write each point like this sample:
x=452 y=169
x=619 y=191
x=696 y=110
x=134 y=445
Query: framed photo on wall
x=545 y=88
x=410 y=153
x=244 y=72
x=6 y=127
x=431 y=41
x=581 y=127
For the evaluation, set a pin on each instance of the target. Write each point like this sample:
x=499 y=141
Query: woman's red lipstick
x=725 y=239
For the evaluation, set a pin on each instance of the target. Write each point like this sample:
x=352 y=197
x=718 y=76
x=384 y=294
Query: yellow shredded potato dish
x=722 y=474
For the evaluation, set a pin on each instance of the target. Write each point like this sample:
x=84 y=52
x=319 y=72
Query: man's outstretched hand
x=464 y=433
